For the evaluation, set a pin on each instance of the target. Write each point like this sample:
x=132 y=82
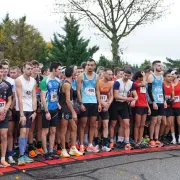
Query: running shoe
x=5 y=164
x=77 y=146
x=21 y=161
x=82 y=148
x=106 y=149
x=146 y=140
x=111 y=145
x=58 y=152
x=92 y=149
x=152 y=143
x=144 y=145
x=54 y=156
x=27 y=159
x=127 y=147
x=120 y=145
x=11 y=160
x=74 y=152
x=178 y=140
x=137 y=146
x=39 y=151
x=165 y=141
x=32 y=154
x=159 y=143
x=64 y=154
x=173 y=141
x=46 y=156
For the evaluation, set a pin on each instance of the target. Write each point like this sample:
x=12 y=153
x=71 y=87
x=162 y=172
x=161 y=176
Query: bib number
x=176 y=98
x=160 y=97
x=54 y=97
x=90 y=91
x=168 y=97
x=2 y=106
x=143 y=90
x=103 y=98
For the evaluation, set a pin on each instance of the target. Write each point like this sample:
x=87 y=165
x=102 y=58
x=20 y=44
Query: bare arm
x=8 y=104
x=79 y=84
x=172 y=95
x=19 y=96
x=134 y=93
x=111 y=94
x=98 y=92
x=34 y=98
x=117 y=97
x=43 y=100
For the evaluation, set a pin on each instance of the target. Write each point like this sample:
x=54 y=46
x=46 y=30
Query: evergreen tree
x=172 y=64
x=145 y=64
x=71 y=48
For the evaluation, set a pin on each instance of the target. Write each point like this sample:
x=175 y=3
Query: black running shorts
x=141 y=110
x=91 y=110
x=176 y=112
x=168 y=112
x=27 y=114
x=159 y=111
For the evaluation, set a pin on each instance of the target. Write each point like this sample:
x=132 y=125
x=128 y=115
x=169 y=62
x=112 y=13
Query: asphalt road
x=150 y=166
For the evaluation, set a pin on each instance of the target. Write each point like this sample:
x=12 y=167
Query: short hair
x=137 y=75
x=54 y=65
x=15 y=68
x=128 y=70
x=69 y=72
x=34 y=62
x=43 y=70
x=1 y=66
x=27 y=63
x=100 y=68
x=116 y=70
x=147 y=69
x=91 y=60
x=155 y=62
x=166 y=73
x=79 y=67
x=83 y=65
x=107 y=69
x=4 y=62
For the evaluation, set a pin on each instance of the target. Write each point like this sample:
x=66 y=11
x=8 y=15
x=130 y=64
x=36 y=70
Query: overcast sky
x=156 y=41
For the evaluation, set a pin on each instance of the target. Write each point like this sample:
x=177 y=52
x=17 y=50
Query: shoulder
x=7 y=83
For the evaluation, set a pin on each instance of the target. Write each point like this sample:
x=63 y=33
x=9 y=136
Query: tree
x=20 y=41
x=115 y=19
x=71 y=48
x=172 y=64
x=145 y=64
x=104 y=62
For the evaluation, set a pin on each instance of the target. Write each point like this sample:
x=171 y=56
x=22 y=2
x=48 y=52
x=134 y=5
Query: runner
x=44 y=72
x=176 y=106
x=11 y=120
x=49 y=87
x=141 y=108
x=26 y=105
x=5 y=102
x=118 y=73
x=37 y=123
x=122 y=87
x=88 y=96
x=156 y=95
x=106 y=96
x=69 y=115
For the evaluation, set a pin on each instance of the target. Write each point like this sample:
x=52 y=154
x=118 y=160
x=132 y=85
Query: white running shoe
x=106 y=149
x=74 y=152
x=173 y=141
x=64 y=154
x=11 y=160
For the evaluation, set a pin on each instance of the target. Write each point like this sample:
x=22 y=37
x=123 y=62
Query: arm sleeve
x=133 y=88
x=150 y=92
x=116 y=85
x=164 y=93
x=9 y=91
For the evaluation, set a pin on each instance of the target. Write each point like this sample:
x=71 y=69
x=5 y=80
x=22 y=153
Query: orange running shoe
x=158 y=143
x=40 y=151
x=32 y=154
x=152 y=143
x=5 y=164
x=82 y=148
x=111 y=145
x=127 y=147
x=58 y=152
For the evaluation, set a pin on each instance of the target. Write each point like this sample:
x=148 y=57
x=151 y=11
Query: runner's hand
x=33 y=116
x=129 y=99
x=99 y=108
x=74 y=116
x=149 y=111
x=165 y=104
x=82 y=107
x=9 y=115
x=133 y=103
x=22 y=120
x=155 y=106
x=48 y=116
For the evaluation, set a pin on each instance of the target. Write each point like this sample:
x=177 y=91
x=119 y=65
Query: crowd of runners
x=66 y=111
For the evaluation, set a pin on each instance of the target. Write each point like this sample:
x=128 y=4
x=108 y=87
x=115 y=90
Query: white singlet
x=27 y=88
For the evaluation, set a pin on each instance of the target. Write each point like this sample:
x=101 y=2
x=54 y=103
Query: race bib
x=53 y=97
x=160 y=97
x=90 y=91
x=176 y=98
x=168 y=97
x=143 y=90
x=103 y=98
x=2 y=106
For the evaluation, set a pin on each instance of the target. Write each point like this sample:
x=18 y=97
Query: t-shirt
x=5 y=92
x=51 y=87
x=12 y=83
x=141 y=92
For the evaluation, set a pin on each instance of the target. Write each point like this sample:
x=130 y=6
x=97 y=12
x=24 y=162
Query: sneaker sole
x=22 y=164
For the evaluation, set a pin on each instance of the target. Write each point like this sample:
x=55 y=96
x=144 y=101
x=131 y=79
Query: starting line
x=37 y=164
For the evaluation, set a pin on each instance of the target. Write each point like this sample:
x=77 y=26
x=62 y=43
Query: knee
x=93 y=125
x=74 y=129
x=113 y=124
x=126 y=125
x=4 y=137
x=137 y=125
x=52 y=131
x=23 y=132
x=105 y=126
x=10 y=133
x=45 y=132
x=83 y=125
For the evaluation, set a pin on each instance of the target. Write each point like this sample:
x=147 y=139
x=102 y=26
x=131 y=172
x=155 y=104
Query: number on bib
x=167 y=97
x=2 y=106
x=176 y=98
x=90 y=91
x=103 y=98
x=143 y=90
x=160 y=97
x=53 y=96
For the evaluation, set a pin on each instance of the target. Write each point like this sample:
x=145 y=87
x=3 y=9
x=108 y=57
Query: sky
x=156 y=41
